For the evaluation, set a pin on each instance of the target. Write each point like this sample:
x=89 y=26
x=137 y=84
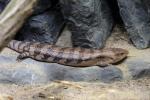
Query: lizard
x=75 y=57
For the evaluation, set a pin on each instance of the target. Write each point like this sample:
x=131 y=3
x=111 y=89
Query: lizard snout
x=120 y=54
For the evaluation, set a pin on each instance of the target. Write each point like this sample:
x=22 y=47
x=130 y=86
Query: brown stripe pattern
x=68 y=56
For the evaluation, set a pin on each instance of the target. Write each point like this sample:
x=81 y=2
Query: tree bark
x=12 y=18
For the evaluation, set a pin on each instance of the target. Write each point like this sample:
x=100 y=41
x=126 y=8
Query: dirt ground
x=63 y=90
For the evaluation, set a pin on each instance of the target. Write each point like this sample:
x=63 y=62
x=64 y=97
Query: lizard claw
x=22 y=56
x=19 y=58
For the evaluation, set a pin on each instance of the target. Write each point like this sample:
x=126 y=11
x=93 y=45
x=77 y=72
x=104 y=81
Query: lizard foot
x=22 y=56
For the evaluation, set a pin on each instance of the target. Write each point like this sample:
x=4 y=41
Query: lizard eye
x=120 y=54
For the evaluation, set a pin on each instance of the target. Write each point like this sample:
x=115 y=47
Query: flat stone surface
x=139 y=68
x=92 y=74
x=31 y=72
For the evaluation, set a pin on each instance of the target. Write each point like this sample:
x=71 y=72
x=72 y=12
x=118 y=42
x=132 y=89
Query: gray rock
x=111 y=74
x=3 y=4
x=19 y=73
x=139 y=69
x=42 y=6
x=136 y=19
x=90 y=21
x=32 y=72
x=20 y=76
x=45 y=27
x=147 y=3
x=92 y=74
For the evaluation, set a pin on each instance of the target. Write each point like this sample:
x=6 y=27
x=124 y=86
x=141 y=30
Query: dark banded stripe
x=16 y=46
x=46 y=56
x=82 y=53
x=70 y=59
x=59 y=55
x=33 y=48
x=51 y=51
x=13 y=44
x=38 y=48
x=27 y=47
x=21 y=45
x=79 y=61
x=45 y=52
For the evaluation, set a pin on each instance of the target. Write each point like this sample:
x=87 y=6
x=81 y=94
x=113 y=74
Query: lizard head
x=112 y=56
x=119 y=54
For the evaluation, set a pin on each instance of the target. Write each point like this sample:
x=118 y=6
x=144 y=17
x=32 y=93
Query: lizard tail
x=18 y=46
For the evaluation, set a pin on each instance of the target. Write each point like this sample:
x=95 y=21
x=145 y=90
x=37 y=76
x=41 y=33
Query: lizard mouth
x=120 y=58
x=103 y=60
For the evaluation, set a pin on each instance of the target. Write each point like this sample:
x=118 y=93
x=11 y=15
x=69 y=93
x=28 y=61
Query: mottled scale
x=19 y=46
x=50 y=59
x=16 y=45
x=35 y=49
x=54 y=51
x=67 y=53
x=58 y=58
x=70 y=59
x=88 y=53
x=68 y=56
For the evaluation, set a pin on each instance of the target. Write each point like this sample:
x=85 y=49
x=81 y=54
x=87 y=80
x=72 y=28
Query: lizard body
x=77 y=57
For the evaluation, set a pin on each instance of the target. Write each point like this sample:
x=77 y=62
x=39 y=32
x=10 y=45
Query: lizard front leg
x=22 y=56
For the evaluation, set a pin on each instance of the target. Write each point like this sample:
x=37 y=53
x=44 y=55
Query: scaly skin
x=76 y=57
